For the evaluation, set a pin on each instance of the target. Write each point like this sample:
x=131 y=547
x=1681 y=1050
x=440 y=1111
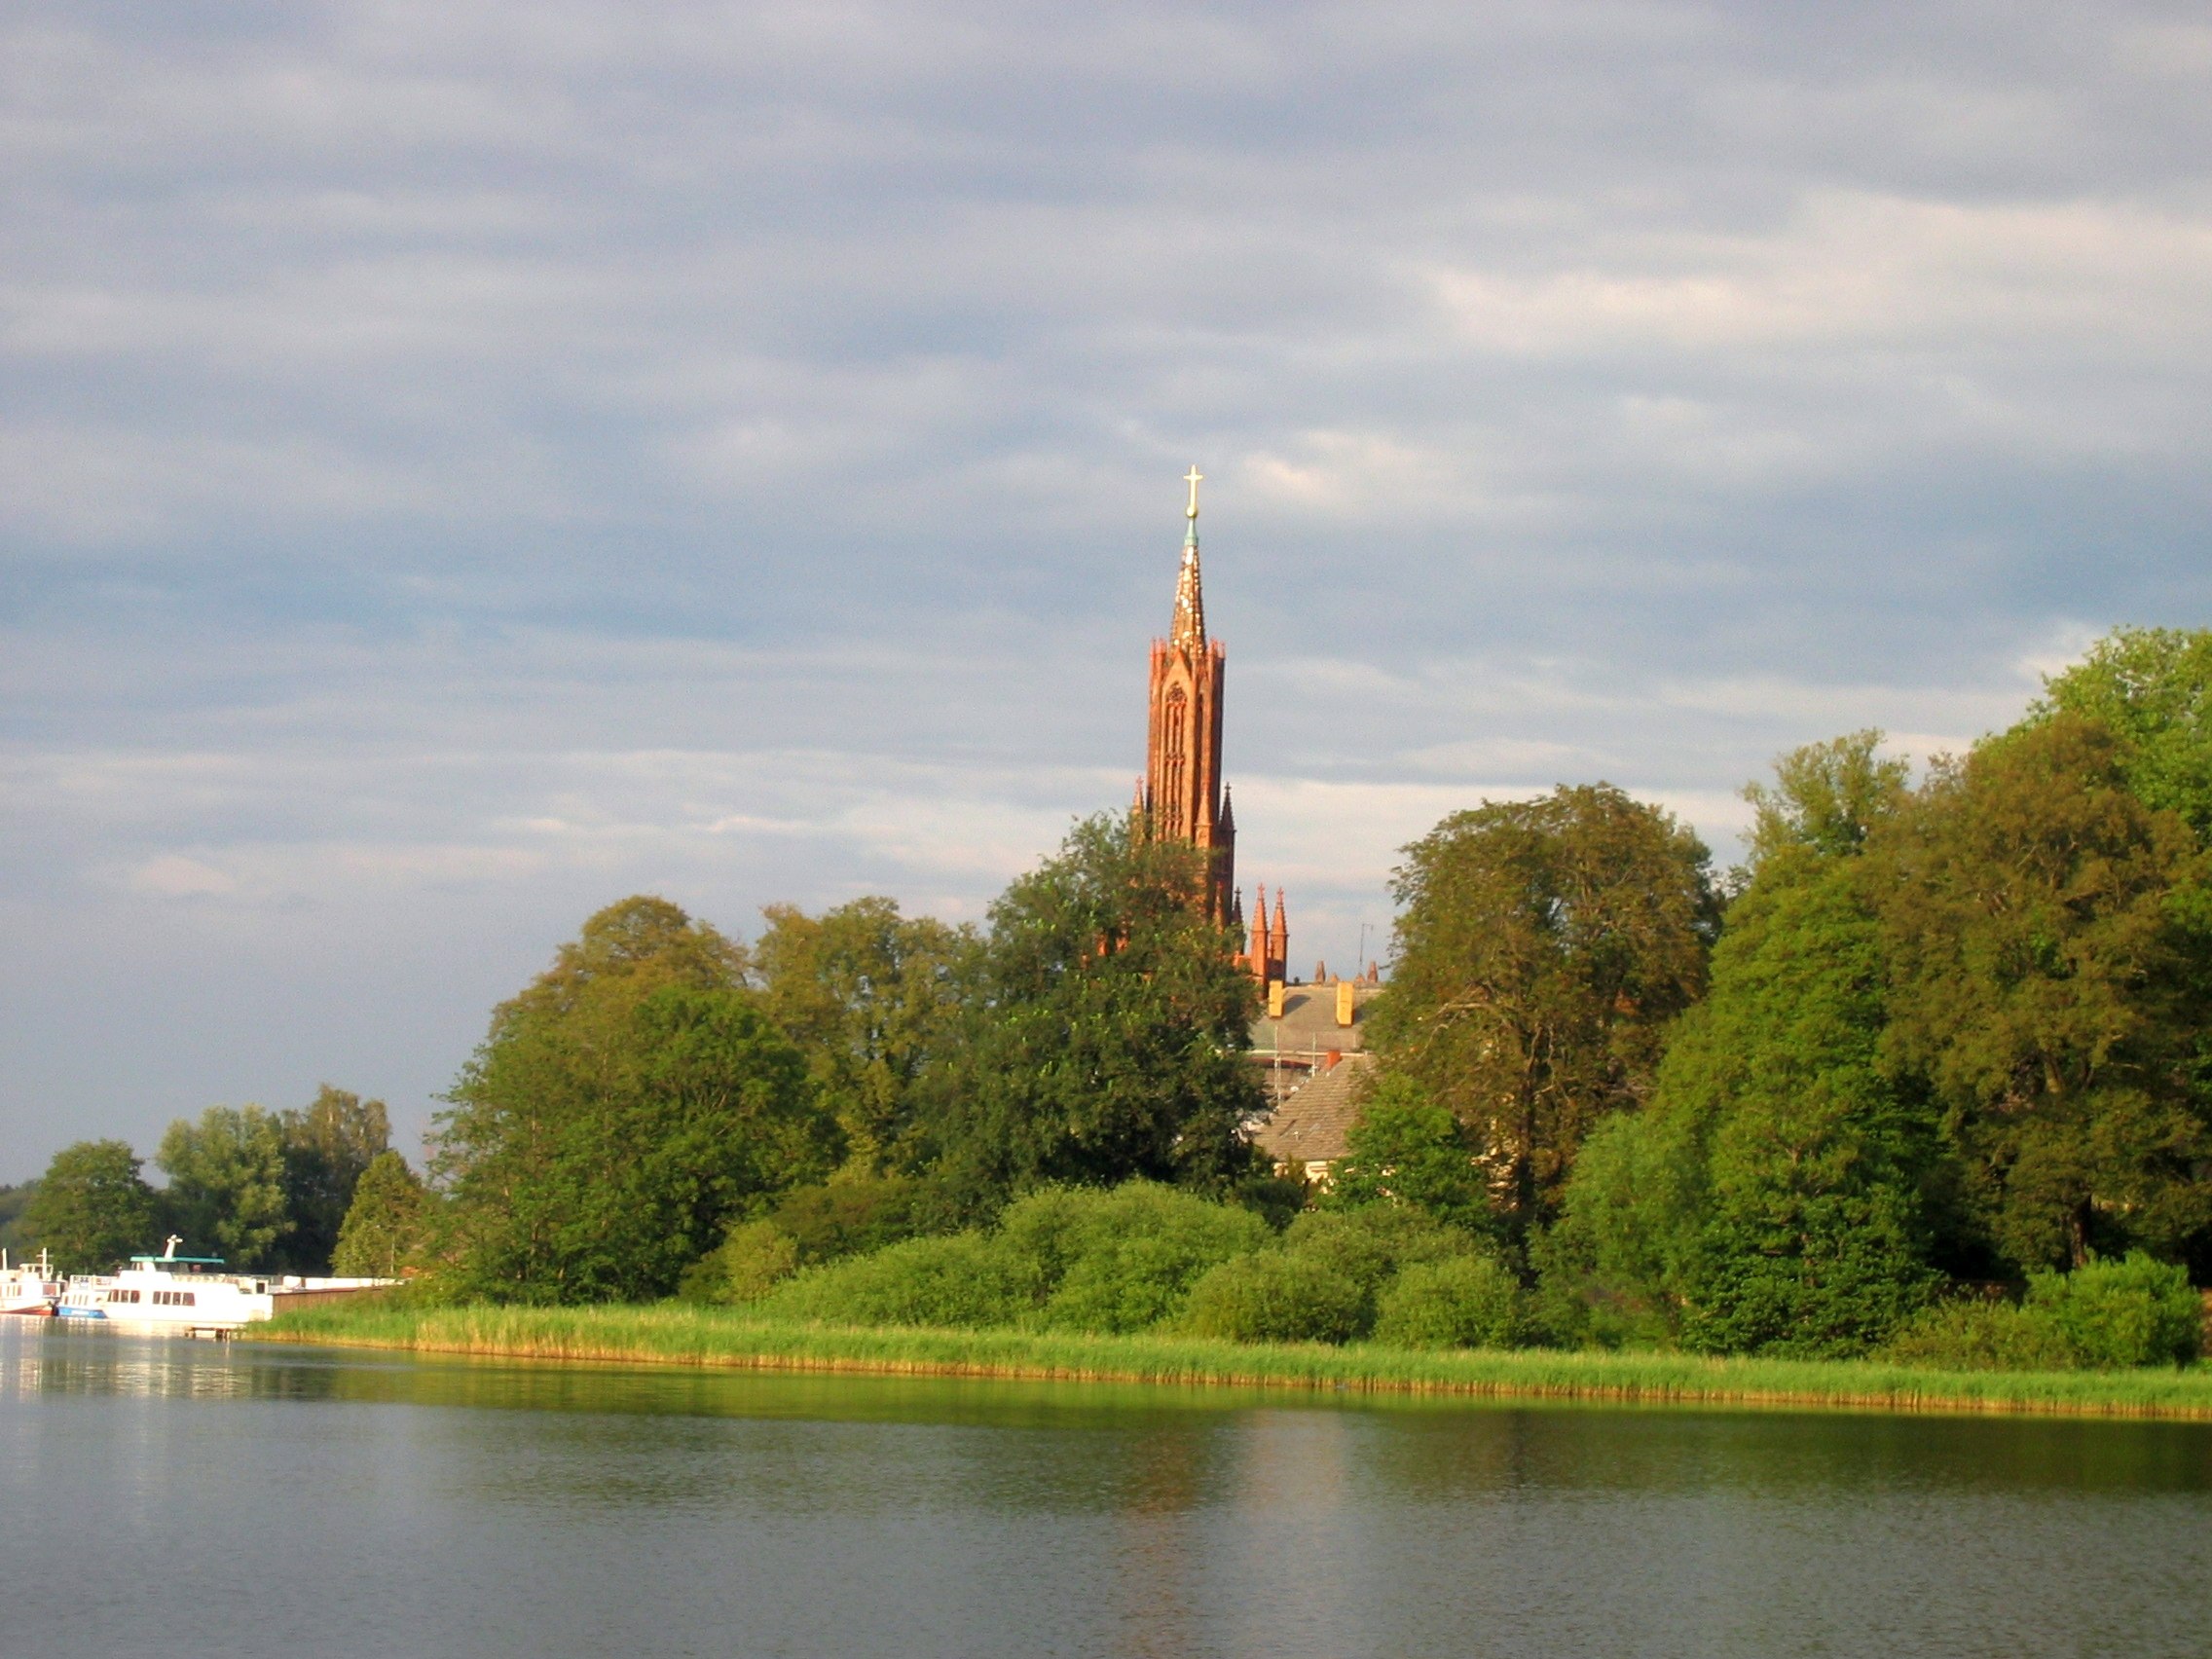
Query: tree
x=13 y=1201
x=623 y=1110
x=327 y=1146
x=1771 y=1197
x=642 y=941
x=1407 y=1148
x=226 y=1193
x=92 y=1208
x=1543 y=946
x=2152 y=689
x=1826 y=799
x=383 y=1224
x=1814 y=1239
x=873 y=999
x=1106 y=1035
x=2049 y=986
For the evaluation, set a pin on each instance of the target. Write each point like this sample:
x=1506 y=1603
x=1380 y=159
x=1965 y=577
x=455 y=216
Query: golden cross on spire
x=1192 y=478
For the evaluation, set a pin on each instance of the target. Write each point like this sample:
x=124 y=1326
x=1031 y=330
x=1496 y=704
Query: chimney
x=1345 y=1010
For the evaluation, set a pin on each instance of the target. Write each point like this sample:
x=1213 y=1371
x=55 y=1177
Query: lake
x=176 y=1498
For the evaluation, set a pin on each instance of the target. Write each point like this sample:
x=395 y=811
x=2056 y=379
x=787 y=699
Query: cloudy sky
x=464 y=463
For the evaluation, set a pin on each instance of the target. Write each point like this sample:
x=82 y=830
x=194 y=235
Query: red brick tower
x=1183 y=796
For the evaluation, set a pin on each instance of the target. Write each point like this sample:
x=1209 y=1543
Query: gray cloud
x=461 y=464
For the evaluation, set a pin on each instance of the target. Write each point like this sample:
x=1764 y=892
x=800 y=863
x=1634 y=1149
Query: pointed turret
x=1258 y=950
x=1278 y=941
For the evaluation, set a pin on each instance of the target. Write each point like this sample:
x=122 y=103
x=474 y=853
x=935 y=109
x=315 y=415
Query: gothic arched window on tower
x=1173 y=747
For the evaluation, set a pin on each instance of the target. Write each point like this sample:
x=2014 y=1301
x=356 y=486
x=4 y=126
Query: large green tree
x=226 y=1191
x=93 y=1207
x=874 y=999
x=2152 y=688
x=382 y=1228
x=1105 y=1036
x=327 y=1145
x=2047 y=957
x=1543 y=948
x=1773 y=1195
x=624 y=1108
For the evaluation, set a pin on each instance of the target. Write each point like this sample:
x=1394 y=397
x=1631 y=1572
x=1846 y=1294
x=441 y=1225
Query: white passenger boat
x=169 y=1293
x=29 y=1287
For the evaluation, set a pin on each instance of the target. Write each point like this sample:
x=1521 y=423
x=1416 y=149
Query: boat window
x=189 y=1297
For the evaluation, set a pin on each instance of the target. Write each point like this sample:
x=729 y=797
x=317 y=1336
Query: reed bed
x=675 y=1334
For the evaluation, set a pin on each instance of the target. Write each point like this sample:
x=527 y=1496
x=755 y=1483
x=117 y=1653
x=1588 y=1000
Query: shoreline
x=715 y=1340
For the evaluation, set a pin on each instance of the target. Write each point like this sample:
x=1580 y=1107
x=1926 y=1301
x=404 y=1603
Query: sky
x=464 y=465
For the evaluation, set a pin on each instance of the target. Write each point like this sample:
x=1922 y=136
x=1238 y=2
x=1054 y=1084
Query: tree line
x=1932 y=1035
x=661 y=1083
x=265 y=1189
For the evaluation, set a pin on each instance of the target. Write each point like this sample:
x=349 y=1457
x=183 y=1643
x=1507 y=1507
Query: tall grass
x=679 y=1335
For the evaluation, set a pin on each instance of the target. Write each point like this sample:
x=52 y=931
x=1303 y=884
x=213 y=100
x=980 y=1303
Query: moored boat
x=28 y=1289
x=169 y=1293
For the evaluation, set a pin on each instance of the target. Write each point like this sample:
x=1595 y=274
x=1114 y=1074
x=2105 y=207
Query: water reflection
x=442 y=1506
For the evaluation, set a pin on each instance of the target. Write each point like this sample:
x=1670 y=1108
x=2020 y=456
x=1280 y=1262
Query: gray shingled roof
x=1308 y=1022
x=1310 y=1125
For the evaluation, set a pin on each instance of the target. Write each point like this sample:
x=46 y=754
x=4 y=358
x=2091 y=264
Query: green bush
x=1276 y=1297
x=1980 y=1335
x=1458 y=1302
x=2103 y=1316
x=1069 y=1259
x=962 y=1280
x=851 y=1217
x=752 y=1259
x=1370 y=1246
x=2138 y=1311
x=1125 y=1259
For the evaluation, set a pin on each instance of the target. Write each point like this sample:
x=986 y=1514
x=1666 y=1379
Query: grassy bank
x=671 y=1335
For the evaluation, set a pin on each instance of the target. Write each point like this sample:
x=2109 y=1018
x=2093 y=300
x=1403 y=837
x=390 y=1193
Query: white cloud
x=175 y=877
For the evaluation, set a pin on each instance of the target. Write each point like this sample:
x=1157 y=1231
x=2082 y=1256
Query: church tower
x=1183 y=796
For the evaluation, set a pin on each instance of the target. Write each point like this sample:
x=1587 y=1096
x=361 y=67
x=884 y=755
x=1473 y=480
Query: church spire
x=1190 y=630
x=1183 y=798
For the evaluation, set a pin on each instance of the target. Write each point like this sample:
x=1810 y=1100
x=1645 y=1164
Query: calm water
x=180 y=1498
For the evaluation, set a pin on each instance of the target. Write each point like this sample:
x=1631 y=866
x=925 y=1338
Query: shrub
x=964 y=1281
x=1980 y=1335
x=852 y=1217
x=2103 y=1316
x=750 y=1261
x=1458 y=1302
x=1276 y=1297
x=2112 y=1315
x=1368 y=1247
x=1125 y=1259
